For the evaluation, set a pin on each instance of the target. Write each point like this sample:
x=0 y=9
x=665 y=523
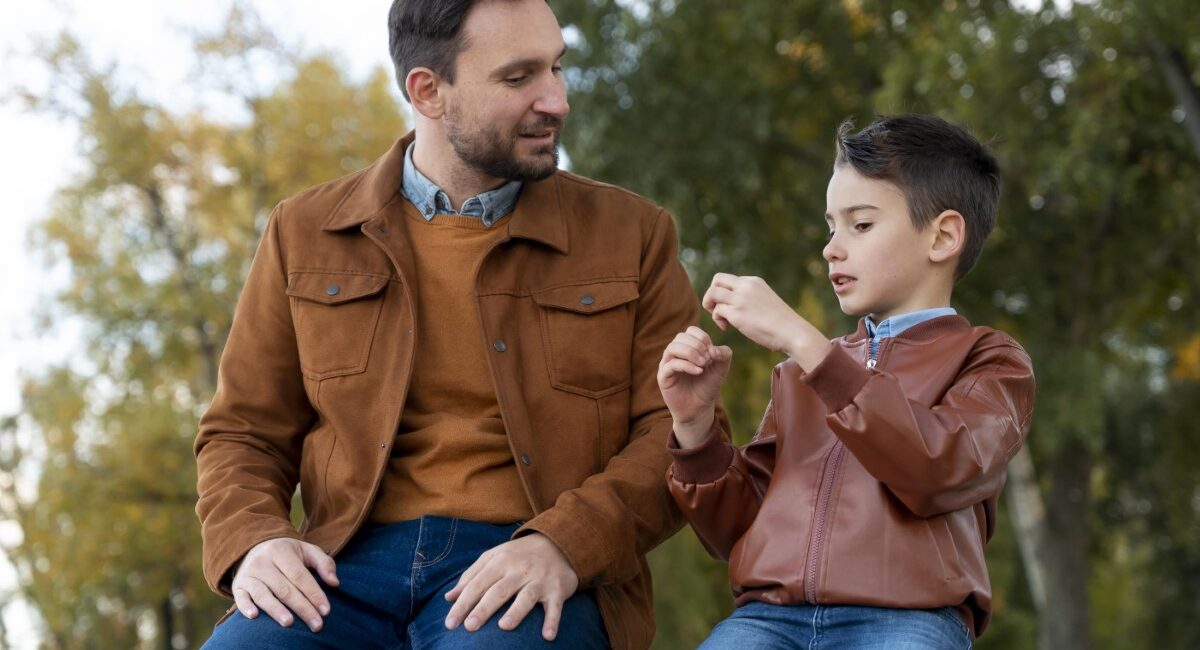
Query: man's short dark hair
x=938 y=166
x=426 y=34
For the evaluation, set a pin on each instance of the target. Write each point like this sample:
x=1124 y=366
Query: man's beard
x=489 y=152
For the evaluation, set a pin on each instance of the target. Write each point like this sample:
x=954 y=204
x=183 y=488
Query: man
x=453 y=352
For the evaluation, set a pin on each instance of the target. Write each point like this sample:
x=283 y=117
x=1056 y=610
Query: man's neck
x=442 y=166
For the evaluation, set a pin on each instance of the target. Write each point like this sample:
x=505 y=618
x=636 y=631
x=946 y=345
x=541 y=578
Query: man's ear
x=424 y=88
x=949 y=236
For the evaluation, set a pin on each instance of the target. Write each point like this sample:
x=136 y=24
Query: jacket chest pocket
x=335 y=315
x=587 y=335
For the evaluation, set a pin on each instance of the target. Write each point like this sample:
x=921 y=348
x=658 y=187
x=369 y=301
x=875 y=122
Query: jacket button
x=587 y=299
x=499 y=345
x=333 y=290
x=526 y=460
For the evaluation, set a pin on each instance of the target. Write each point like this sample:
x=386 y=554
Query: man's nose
x=553 y=98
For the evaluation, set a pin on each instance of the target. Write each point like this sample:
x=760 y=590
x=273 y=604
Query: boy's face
x=879 y=262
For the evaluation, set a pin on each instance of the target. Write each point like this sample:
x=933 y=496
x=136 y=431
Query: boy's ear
x=949 y=236
x=424 y=88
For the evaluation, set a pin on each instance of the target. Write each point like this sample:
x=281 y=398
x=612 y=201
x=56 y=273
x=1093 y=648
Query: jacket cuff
x=704 y=464
x=837 y=379
x=580 y=542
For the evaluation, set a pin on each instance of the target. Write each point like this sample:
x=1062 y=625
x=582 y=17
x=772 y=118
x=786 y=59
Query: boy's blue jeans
x=393 y=579
x=763 y=626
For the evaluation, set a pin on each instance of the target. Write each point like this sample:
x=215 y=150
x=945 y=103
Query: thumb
x=318 y=559
x=722 y=357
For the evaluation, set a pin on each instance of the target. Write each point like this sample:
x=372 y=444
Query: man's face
x=878 y=261
x=505 y=110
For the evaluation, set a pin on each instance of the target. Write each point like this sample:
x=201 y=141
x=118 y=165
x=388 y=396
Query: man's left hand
x=531 y=568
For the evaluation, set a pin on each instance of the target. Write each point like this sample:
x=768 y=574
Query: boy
x=857 y=516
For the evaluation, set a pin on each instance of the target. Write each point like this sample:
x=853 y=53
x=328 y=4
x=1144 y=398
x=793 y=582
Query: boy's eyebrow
x=852 y=209
x=527 y=62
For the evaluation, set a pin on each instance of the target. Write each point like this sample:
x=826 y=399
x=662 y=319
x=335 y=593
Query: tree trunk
x=1028 y=513
x=1065 y=623
x=1179 y=78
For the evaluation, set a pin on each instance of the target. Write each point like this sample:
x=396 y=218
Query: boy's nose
x=833 y=252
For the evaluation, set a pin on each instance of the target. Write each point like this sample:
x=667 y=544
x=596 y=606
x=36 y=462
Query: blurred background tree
x=725 y=113
x=158 y=234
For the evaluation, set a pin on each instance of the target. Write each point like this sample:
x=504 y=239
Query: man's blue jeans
x=763 y=626
x=393 y=579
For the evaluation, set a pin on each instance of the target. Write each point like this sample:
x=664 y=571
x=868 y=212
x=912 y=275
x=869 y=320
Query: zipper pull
x=870 y=364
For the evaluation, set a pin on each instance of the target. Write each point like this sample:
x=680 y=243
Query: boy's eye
x=862 y=226
x=830 y=237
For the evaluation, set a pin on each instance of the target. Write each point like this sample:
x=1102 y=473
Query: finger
x=724 y=281
x=718 y=316
x=489 y=604
x=322 y=562
x=468 y=575
x=700 y=335
x=676 y=366
x=468 y=597
x=522 y=605
x=290 y=585
x=719 y=295
x=688 y=352
x=267 y=602
x=244 y=603
x=553 y=607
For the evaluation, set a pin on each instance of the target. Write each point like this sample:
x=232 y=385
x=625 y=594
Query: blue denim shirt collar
x=430 y=200
x=896 y=324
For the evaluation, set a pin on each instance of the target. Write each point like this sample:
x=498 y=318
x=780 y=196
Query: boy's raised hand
x=754 y=309
x=690 y=375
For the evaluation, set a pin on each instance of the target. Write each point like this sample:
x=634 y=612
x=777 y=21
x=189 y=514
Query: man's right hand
x=274 y=576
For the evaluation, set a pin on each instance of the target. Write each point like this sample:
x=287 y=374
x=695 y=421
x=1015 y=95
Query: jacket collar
x=920 y=332
x=538 y=215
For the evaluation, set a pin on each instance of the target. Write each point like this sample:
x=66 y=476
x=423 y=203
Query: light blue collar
x=430 y=200
x=896 y=324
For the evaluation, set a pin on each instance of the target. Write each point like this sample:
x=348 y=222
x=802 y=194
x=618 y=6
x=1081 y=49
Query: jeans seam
x=816 y=627
x=445 y=551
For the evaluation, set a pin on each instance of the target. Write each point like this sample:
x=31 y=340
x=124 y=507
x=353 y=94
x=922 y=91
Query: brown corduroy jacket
x=872 y=480
x=576 y=303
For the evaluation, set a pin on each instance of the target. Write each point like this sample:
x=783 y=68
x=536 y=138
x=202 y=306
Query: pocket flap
x=333 y=288
x=588 y=298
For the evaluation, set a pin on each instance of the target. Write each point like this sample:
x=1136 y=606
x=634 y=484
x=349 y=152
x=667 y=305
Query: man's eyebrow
x=527 y=62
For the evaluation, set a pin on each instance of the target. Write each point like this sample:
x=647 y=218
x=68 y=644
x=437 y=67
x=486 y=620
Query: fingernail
x=451 y=622
x=324 y=609
x=315 y=624
x=506 y=622
x=287 y=620
x=472 y=623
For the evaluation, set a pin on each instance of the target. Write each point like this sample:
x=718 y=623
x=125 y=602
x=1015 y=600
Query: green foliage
x=726 y=113
x=157 y=233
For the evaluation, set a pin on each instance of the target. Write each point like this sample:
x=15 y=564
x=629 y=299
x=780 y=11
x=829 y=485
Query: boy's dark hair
x=938 y=166
x=426 y=34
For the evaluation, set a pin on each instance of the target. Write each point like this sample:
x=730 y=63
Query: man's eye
x=830 y=237
x=512 y=81
x=863 y=226
x=557 y=70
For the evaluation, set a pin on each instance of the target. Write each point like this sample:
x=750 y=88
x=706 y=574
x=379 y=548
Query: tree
x=157 y=234
x=726 y=114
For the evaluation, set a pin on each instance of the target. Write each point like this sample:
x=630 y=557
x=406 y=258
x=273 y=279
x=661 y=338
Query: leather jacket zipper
x=824 y=497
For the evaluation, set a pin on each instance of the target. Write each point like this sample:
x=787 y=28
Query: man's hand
x=274 y=576
x=750 y=306
x=690 y=375
x=532 y=568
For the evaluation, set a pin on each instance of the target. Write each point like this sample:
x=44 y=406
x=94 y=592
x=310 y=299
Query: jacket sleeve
x=940 y=458
x=720 y=487
x=250 y=438
x=606 y=525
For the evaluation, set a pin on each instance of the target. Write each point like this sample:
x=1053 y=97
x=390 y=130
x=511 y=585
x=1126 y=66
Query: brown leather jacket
x=576 y=303
x=868 y=486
